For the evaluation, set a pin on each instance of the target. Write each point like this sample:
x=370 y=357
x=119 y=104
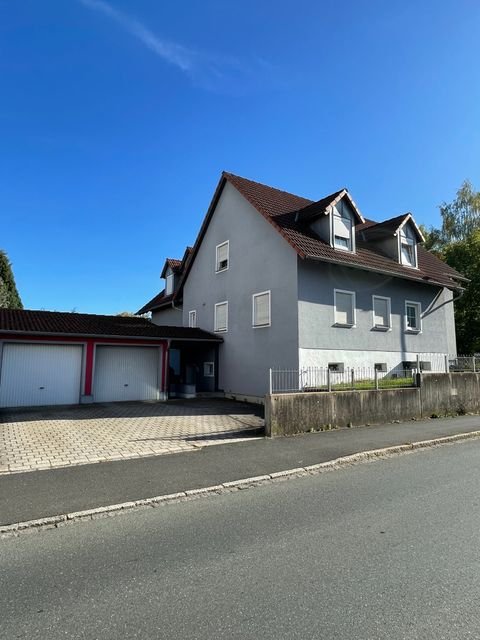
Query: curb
x=53 y=522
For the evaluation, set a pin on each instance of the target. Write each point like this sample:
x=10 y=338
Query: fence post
x=270 y=380
x=329 y=382
x=376 y=379
x=473 y=361
x=353 y=378
x=446 y=364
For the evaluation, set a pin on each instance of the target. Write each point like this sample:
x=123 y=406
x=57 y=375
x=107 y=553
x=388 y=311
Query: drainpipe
x=166 y=379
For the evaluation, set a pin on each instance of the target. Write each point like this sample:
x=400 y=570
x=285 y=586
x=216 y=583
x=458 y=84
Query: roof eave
x=394 y=274
x=64 y=334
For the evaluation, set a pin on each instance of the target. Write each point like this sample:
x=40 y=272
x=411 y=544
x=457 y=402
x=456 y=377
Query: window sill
x=261 y=326
x=340 y=325
x=380 y=328
x=413 y=331
x=220 y=331
x=221 y=270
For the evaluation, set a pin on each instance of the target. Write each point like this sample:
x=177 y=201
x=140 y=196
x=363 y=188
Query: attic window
x=408 y=247
x=169 y=285
x=342 y=228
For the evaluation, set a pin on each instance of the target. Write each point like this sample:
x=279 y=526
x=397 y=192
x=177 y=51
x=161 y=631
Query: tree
x=9 y=296
x=457 y=242
x=464 y=256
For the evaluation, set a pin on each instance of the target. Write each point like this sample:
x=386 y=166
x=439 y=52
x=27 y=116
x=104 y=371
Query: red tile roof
x=157 y=302
x=86 y=324
x=289 y=215
x=280 y=208
x=174 y=264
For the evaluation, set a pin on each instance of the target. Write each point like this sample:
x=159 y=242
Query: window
x=344 y=308
x=261 y=309
x=221 y=316
x=337 y=367
x=408 y=246
x=169 y=285
x=192 y=318
x=381 y=313
x=413 y=316
x=208 y=369
x=342 y=229
x=221 y=263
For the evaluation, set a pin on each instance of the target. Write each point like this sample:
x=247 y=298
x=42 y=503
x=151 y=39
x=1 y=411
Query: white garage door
x=40 y=374
x=126 y=373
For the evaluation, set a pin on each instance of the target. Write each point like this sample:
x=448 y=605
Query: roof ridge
x=73 y=313
x=228 y=174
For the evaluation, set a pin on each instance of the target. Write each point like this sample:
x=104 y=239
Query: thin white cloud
x=175 y=54
x=218 y=73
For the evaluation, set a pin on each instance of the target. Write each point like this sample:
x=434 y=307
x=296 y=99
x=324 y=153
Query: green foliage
x=457 y=242
x=464 y=255
x=9 y=296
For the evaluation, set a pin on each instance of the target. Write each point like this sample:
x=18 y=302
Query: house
x=292 y=283
x=49 y=358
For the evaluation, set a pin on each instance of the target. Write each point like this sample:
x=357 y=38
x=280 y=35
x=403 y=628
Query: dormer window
x=169 y=284
x=408 y=246
x=343 y=236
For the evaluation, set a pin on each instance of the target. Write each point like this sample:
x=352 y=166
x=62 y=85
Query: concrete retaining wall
x=439 y=394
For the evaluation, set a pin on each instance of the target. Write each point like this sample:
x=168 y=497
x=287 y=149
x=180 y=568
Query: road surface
x=388 y=549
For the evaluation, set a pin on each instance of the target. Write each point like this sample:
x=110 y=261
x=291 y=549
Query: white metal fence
x=348 y=379
x=340 y=377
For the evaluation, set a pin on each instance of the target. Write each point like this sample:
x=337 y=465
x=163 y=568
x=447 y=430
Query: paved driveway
x=50 y=438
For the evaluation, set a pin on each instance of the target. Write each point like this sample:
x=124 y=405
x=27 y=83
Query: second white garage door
x=126 y=373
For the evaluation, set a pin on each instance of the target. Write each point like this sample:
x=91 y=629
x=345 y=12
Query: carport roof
x=90 y=325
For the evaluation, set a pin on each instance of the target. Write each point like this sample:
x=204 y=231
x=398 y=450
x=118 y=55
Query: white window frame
x=403 y=238
x=351 y=218
x=169 y=287
x=222 y=244
x=219 y=304
x=418 y=306
x=354 y=309
x=378 y=327
x=208 y=375
x=192 y=314
x=256 y=295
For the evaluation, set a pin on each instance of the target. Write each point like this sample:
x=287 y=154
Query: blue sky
x=116 y=119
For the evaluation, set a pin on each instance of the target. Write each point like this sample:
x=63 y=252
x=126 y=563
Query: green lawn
x=365 y=385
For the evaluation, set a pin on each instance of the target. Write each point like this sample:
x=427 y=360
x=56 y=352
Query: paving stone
x=48 y=438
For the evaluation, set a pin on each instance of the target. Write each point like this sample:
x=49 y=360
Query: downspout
x=166 y=377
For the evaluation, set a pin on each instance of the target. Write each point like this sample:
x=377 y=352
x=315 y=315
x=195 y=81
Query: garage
x=126 y=373
x=40 y=374
x=61 y=358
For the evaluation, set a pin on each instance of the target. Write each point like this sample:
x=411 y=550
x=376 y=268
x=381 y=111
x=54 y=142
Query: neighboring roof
x=157 y=302
x=172 y=263
x=89 y=325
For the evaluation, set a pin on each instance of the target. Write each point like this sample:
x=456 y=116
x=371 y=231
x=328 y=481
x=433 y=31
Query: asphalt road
x=37 y=494
x=388 y=549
